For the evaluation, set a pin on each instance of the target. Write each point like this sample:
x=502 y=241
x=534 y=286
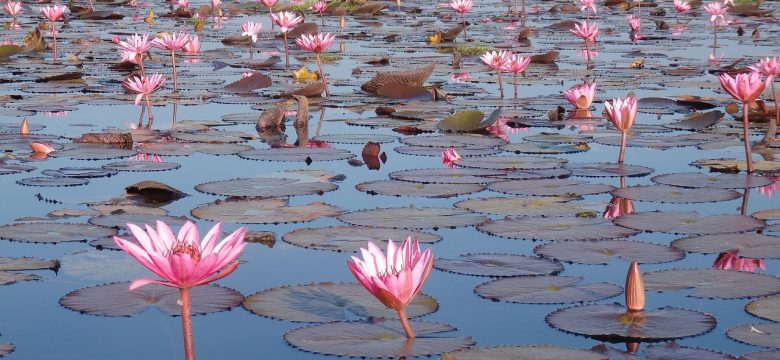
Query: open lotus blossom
x=172 y=42
x=497 y=61
x=251 y=29
x=53 y=13
x=728 y=2
x=462 y=7
x=587 y=5
x=581 y=95
x=770 y=67
x=144 y=85
x=183 y=4
x=517 y=64
x=449 y=156
x=618 y=207
x=215 y=4
x=634 y=22
x=183 y=261
x=134 y=48
x=286 y=21
x=745 y=88
x=317 y=43
x=396 y=279
x=681 y=6
x=320 y=7
x=717 y=12
x=192 y=46
x=586 y=31
x=13 y=8
x=270 y=4
x=731 y=260
x=622 y=113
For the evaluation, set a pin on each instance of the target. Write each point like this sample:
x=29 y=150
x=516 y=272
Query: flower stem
x=463 y=20
x=270 y=16
x=746 y=135
x=500 y=84
x=186 y=324
x=54 y=42
x=515 y=86
x=623 y=136
x=286 y=53
x=324 y=81
x=149 y=108
x=173 y=64
x=405 y=323
x=771 y=131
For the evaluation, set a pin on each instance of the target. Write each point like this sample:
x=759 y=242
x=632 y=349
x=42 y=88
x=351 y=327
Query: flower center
x=186 y=248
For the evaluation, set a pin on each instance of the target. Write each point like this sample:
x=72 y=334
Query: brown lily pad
x=414 y=77
x=8 y=169
x=407 y=188
x=750 y=245
x=352 y=238
x=545 y=148
x=550 y=187
x=413 y=218
x=544 y=289
x=607 y=170
x=509 y=163
x=53 y=232
x=327 y=302
x=556 y=229
x=356 y=138
x=731 y=165
x=52 y=181
x=724 y=181
x=449 y=176
x=674 y=194
x=526 y=352
x=761 y=355
x=527 y=206
x=263 y=211
x=297 y=154
x=766 y=308
x=249 y=84
x=766 y=334
x=403 y=91
x=712 y=283
x=688 y=222
x=79 y=172
x=267 y=187
x=602 y=251
x=141 y=166
x=120 y=220
x=498 y=265
x=27 y=263
x=456 y=141
x=672 y=351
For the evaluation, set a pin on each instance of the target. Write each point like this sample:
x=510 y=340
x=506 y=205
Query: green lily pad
x=464 y=121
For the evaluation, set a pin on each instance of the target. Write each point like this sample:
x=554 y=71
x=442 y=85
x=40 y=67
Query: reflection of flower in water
x=502 y=130
x=56 y=113
x=715 y=61
x=587 y=53
x=618 y=207
x=769 y=190
x=730 y=260
x=317 y=144
x=460 y=77
x=146 y=157
x=679 y=29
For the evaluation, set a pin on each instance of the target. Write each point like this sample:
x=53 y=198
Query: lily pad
x=138 y=166
x=724 y=181
x=766 y=335
x=52 y=181
x=556 y=229
x=449 y=176
x=79 y=172
x=767 y=214
x=612 y=322
x=92 y=152
x=731 y=165
x=267 y=186
x=511 y=162
x=116 y=300
x=712 y=283
x=674 y=194
x=50 y=232
x=27 y=263
x=545 y=148
x=436 y=151
x=550 y=187
x=559 y=138
x=352 y=238
x=327 y=302
x=376 y=339
x=526 y=352
x=413 y=218
x=120 y=220
x=761 y=355
x=544 y=289
x=530 y=206
x=750 y=245
x=297 y=154
x=607 y=170
x=456 y=141
x=672 y=351
x=464 y=121
x=498 y=265
x=602 y=251
x=263 y=211
x=766 y=308
x=356 y=138
x=689 y=222
x=406 y=188
x=557 y=173
x=8 y=169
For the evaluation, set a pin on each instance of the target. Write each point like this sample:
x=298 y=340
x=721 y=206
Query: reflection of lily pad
x=766 y=335
x=527 y=352
x=556 y=228
x=712 y=283
x=116 y=300
x=53 y=232
x=449 y=176
x=376 y=339
x=602 y=251
x=723 y=181
x=263 y=211
x=511 y=162
x=674 y=194
x=765 y=308
x=545 y=289
x=352 y=238
x=550 y=187
x=498 y=265
x=750 y=245
x=688 y=222
x=407 y=188
x=612 y=322
x=413 y=218
x=326 y=302
x=531 y=206
x=607 y=170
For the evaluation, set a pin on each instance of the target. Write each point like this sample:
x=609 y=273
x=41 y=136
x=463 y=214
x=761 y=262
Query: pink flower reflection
x=502 y=130
x=146 y=157
x=769 y=190
x=56 y=113
x=730 y=260
x=317 y=144
x=460 y=77
x=618 y=207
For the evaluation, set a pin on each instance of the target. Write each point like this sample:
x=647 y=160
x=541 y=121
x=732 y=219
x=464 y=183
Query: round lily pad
x=612 y=322
x=674 y=194
x=436 y=151
x=544 y=289
x=763 y=334
x=352 y=238
x=220 y=148
x=498 y=265
x=559 y=138
x=767 y=214
x=376 y=339
x=116 y=300
x=120 y=220
x=327 y=302
x=50 y=232
x=655 y=142
x=712 y=283
x=407 y=188
x=7 y=277
x=267 y=187
x=213 y=136
x=526 y=352
x=672 y=351
x=557 y=173
x=7 y=169
x=356 y=138
x=723 y=181
x=27 y=263
x=6 y=349
x=556 y=228
x=688 y=222
x=79 y=172
x=263 y=211
x=454 y=141
x=531 y=206
x=731 y=165
x=141 y=166
x=761 y=355
x=52 y=181
x=413 y=218
x=607 y=170
x=511 y=162
x=297 y=154
x=750 y=245
x=602 y=251
x=550 y=187
x=92 y=152
x=449 y=176
x=544 y=148
x=165 y=149
x=766 y=308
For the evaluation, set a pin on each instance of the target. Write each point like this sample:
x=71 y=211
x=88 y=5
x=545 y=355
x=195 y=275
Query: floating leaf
x=297 y=154
x=267 y=187
x=449 y=176
x=612 y=322
x=263 y=211
x=697 y=121
x=767 y=214
x=456 y=141
x=607 y=170
x=327 y=302
x=414 y=77
x=27 y=263
x=53 y=232
x=543 y=289
x=249 y=84
x=559 y=138
x=712 y=283
x=602 y=251
x=556 y=228
x=92 y=152
x=530 y=206
x=7 y=277
x=672 y=351
x=303 y=74
x=550 y=187
x=352 y=238
x=544 y=148
x=403 y=91
x=498 y=265
x=356 y=138
x=766 y=335
x=140 y=166
x=527 y=352
x=750 y=245
x=724 y=181
x=9 y=50
x=688 y=222
x=376 y=339
x=116 y=300
x=464 y=121
x=511 y=162
x=761 y=355
x=765 y=308
x=79 y=172
x=406 y=188
x=730 y=165
x=413 y=218
x=120 y=220
x=674 y=194
x=52 y=181
x=7 y=169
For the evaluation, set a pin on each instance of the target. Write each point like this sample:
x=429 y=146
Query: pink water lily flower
x=770 y=67
x=183 y=4
x=746 y=87
x=517 y=64
x=717 y=12
x=497 y=61
x=270 y=4
x=587 y=4
x=634 y=22
x=135 y=47
x=193 y=45
x=144 y=85
x=319 y=7
x=622 y=113
x=53 y=13
x=286 y=20
x=251 y=29
x=586 y=31
x=13 y=8
x=171 y=41
x=216 y=3
x=449 y=156
x=581 y=95
x=461 y=6
x=681 y=6
x=731 y=260
x=395 y=279
x=41 y=147
x=618 y=207
x=317 y=43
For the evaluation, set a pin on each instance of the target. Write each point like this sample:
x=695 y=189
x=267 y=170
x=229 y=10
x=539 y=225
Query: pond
x=533 y=229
